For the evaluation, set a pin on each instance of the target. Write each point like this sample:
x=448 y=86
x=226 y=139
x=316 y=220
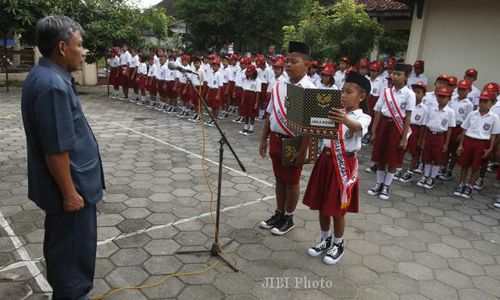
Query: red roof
x=383 y=5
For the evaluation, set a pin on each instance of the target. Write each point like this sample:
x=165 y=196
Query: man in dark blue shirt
x=65 y=176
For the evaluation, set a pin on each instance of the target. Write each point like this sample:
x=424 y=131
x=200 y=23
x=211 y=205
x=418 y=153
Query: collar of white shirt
x=304 y=82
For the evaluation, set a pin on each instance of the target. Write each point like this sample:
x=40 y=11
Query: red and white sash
x=279 y=110
x=396 y=114
x=346 y=176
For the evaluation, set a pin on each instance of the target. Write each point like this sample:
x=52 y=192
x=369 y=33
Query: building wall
x=457 y=35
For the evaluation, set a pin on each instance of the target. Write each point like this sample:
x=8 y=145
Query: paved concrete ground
x=419 y=245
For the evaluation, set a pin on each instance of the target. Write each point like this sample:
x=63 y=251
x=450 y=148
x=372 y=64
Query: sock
x=325 y=234
x=246 y=126
x=380 y=176
x=427 y=170
x=434 y=171
x=388 y=178
x=252 y=127
x=289 y=214
x=337 y=240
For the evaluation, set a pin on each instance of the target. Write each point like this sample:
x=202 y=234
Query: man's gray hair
x=53 y=29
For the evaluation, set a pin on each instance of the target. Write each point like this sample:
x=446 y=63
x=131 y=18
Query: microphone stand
x=216 y=249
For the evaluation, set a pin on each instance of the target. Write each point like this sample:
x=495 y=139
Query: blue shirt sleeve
x=54 y=118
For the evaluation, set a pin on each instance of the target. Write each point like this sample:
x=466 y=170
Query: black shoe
x=272 y=221
x=371 y=169
x=249 y=132
x=334 y=254
x=430 y=183
x=243 y=131
x=478 y=185
x=406 y=177
x=285 y=225
x=467 y=192
x=459 y=191
x=384 y=192
x=375 y=191
x=323 y=245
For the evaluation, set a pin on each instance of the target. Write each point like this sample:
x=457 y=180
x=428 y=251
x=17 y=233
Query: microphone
x=174 y=67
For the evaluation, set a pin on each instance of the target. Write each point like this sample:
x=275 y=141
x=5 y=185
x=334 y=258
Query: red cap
x=391 y=64
x=444 y=91
x=345 y=59
x=186 y=57
x=420 y=84
x=234 y=56
x=464 y=84
x=261 y=61
x=453 y=80
x=314 y=63
x=329 y=64
x=471 y=72
x=375 y=66
x=419 y=64
x=444 y=77
x=491 y=87
x=328 y=71
x=280 y=63
x=197 y=58
x=352 y=68
x=244 y=61
x=487 y=96
x=250 y=70
x=215 y=61
x=363 y=63
x=212 y=56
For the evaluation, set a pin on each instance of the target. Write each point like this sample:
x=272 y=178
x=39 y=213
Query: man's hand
x=263 y=148
x=73 y=202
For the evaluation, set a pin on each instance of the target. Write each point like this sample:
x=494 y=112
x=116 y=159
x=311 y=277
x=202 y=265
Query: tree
x=345 y=30
x=393 y=42
x=251 y=24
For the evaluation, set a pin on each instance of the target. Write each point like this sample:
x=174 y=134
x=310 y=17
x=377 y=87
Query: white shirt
x=114 y=62
x=152 y=70
x=462 y=109
x=320 y=85
x=169 y=75
x=215 y=80
x=377 y=85
x=197 y=80
x=315 y=78
x=413 y=78
x=439 y=120
x=271 y=85
x=305 y=82
x=496 y=107
x=474 y=95
x=143 y=69
x=160 y=72
x=156 y=61
x=253 y=85
x=419 y=114
x=339 y=78
x=134 y=62
x=182 y=76
x=481 y=127
x=263 y=76
x=352 y=140
x=430 y=99
x=405 y=100
x=233 y=72
x=240 y=78
x=125 y=58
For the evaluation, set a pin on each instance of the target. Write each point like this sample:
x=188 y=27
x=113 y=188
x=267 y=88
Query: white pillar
x=89 y=74
x=37 y=56
x=417 y=36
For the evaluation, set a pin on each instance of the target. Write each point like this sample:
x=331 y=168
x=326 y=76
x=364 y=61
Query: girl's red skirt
x=323 y=191
x=386 y=147
x=230 y=90
x=123 y=76
x=143 y=82
x=211 y=101
x=247 y=107
x=193 y=96
x=184 y=95
x=153 y=86
x=170 y=89
x=162 y=88
x=132 y=83
x=113 y=77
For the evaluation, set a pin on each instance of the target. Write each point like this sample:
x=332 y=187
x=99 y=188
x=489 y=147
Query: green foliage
x=346 y=30
x=393 y=42
x=251 y=24
x=106 y=23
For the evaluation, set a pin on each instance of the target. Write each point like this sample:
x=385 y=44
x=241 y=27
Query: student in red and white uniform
x=263 y=75
x=171 y=91
x=342 y=72
x=114 y=69
x=493 y=88
x=462 y=107
x=327 y=81
x=481 y=129
x=142 y=77
x=249 y=108
x=161 y=85
x=233 y=71
x=152 y=83
x=389 y=67
x=418 y=117
x=182 y=87
x=238 y=89
x=430 y=98
x=471 y=75
x=377 y=84
x=333 y=185
x=123 y=76
x=391 y=129
x=225 y=71
x=133 y=78
x=313 y=72
x=363 y=67
x=275 y=128
x=198 y=82
x=418 y=74
x=215 y=83
x=436 y=137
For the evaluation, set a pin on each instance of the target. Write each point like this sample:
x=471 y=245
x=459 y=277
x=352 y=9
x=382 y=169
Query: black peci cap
x=300 y=47
x=360 y=80
x=403 y=67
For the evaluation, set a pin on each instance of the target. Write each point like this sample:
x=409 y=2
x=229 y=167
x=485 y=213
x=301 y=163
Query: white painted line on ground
x=182 y=221
x=23 y=254
x=195 y=155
